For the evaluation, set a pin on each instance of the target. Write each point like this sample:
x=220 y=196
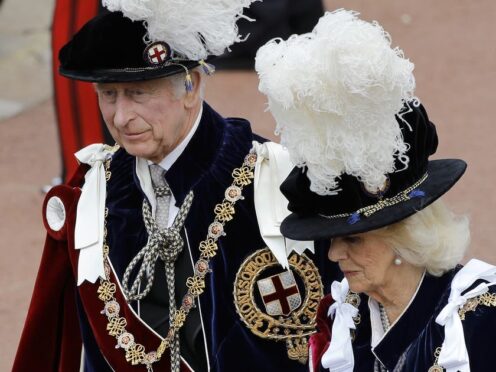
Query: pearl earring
x=397 y=261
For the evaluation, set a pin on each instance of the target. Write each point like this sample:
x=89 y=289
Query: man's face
x=145 y=117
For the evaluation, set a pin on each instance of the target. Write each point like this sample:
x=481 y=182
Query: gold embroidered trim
x=295 y=328
x=116 y=326
x=383 y=203
x=486 y=299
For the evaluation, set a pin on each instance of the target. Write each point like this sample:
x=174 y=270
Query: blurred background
x=451 y=42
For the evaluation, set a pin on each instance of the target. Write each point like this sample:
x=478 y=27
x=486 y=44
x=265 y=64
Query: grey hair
x=177 y=83
x=434 y=238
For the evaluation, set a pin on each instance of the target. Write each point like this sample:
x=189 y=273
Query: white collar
x=171 y=158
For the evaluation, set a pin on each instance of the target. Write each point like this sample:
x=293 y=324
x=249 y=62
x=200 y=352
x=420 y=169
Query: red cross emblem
x=157 y=53
x=280 y=293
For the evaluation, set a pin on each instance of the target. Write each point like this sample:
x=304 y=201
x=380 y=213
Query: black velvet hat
x=111 y=48
x=354 y=209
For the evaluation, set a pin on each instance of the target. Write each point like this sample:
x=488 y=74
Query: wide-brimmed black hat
x=355 y=210
x=111 y=48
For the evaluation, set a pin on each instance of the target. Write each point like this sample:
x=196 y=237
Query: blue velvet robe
x=218 y=146
x=417 y=334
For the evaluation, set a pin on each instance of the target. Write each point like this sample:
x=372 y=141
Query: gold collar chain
x=224 y=212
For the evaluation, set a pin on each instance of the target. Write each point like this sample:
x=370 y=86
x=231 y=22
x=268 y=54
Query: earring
x=397 y=261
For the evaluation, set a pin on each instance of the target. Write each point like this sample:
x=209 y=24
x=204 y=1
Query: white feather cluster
x=334 y=93
x=193 y=28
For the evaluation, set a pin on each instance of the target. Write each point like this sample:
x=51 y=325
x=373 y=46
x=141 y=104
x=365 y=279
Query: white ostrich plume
x=334 y=94
x=194 y=29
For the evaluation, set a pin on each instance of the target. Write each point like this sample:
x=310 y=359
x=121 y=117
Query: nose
x=123 y=111
x=338 y=250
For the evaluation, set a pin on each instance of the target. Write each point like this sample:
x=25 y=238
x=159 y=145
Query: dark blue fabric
x=418 y=334
x=93 y=359
x=218 y=146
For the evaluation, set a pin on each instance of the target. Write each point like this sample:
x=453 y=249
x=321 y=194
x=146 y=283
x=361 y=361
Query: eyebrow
x=98 y=86
x=149 y=88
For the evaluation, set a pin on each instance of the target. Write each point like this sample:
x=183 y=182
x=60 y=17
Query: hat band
x=147 y=68
x=407 y=194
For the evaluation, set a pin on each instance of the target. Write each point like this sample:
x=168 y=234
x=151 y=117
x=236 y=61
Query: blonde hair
x=434 y=238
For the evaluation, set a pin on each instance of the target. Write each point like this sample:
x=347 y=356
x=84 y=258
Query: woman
x=344 y=105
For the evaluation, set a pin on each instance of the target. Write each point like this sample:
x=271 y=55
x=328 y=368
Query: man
x=170 y=211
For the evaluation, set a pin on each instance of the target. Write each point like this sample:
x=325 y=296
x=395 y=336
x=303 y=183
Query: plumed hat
x=146 y=39
x=344 y=106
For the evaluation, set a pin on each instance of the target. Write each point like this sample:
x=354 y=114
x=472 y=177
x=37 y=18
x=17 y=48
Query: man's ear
x=191 y=99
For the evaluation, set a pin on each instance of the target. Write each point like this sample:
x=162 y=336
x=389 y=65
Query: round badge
x=353 y=299
x=202 y=268
x=216 y=230
x=436 y=369
x=156 y=54
x=279 y=304
x=150 y=358
x=233 y=194
x=188 y=302
x=251 y=159
x=111 y=309
x=125 y=340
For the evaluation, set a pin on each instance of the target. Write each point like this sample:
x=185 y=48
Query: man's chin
x=141 y=150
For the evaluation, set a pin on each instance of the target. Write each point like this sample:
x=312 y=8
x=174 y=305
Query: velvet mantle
x=218 y=146
x=416 y=333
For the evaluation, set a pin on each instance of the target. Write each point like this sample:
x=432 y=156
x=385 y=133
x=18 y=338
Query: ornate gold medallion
x=279 y=304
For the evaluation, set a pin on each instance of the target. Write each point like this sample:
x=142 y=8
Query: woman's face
x=365 y=260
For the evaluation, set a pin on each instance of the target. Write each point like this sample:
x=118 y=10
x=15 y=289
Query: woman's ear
x=192 y=97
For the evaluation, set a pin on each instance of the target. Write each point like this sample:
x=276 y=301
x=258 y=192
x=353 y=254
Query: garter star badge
x=157 y=53
x=279 y=304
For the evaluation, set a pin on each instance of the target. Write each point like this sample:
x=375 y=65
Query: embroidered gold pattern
x=116 y=326
x=298 y=349
x=106 y=291
x=179 y=318
x=383 y=203
x=243 y=176
x=195 y=285
x=486 y=299
x=135 y=354
x=295 y=328
x=208 y=248
x=224 y=212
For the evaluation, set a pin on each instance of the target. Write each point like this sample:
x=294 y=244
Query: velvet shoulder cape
x=59 y=313
x=415 y=336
